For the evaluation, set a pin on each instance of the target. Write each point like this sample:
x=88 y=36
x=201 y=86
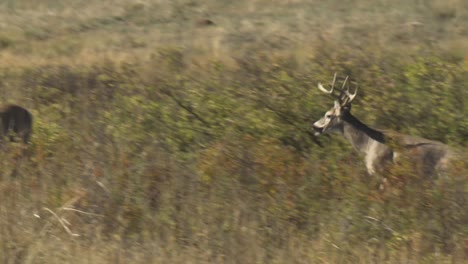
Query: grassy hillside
x=162 y=138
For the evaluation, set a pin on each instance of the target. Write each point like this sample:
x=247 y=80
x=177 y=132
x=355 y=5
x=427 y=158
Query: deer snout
x=318 y=129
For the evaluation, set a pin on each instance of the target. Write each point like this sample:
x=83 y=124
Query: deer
x=380 y=147
x=15 y=119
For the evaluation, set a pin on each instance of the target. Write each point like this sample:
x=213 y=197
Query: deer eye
x=328 y=116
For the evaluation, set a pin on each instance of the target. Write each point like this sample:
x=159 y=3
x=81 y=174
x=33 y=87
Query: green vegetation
x=160 y=140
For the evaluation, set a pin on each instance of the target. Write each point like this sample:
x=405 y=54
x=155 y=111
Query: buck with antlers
x=379 y=147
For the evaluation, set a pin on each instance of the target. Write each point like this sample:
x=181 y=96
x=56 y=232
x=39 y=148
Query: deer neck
x=359 y=134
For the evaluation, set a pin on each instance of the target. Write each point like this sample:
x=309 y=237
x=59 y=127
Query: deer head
x=332 y=120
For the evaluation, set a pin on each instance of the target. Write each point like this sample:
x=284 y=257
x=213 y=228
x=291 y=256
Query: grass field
x=180 y=131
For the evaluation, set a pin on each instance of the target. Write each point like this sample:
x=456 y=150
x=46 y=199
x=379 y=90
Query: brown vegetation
x=205 y=22
x=157 y=143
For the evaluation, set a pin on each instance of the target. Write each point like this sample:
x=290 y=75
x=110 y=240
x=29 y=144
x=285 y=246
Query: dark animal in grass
x=15 y=120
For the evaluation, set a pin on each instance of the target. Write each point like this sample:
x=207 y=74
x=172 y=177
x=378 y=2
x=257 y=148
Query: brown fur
x=15 y=119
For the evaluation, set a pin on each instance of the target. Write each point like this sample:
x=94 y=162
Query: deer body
x=15 y=119
x=380 y=147
x=367 y=141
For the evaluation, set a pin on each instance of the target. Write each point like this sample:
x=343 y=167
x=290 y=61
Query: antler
x=352 y=96
x=348 y=96
x=321 y=88
x=345 y=97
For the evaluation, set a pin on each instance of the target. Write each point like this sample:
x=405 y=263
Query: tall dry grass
x=159 y=140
